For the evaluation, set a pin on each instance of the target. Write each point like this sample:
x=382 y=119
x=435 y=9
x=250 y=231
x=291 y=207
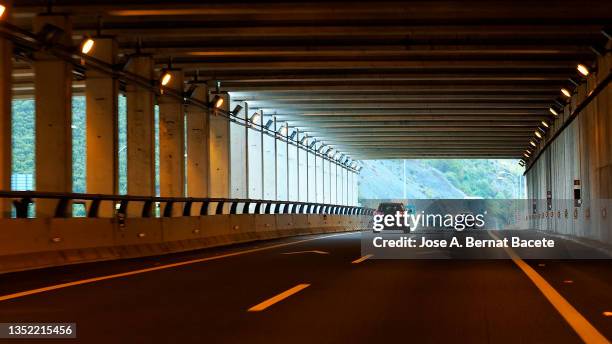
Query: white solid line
x=155 y=268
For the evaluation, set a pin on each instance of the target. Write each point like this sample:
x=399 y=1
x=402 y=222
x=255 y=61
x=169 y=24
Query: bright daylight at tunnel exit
x=339 y=171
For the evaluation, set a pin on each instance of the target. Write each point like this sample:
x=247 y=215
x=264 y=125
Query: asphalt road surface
x=311 y=289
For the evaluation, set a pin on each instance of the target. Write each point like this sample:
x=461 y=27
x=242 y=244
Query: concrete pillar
x=340 y=184
x=238 y=155
x=332 y=184
x=247 y=154
x=269 y=163
x=316 y=177
x=172 y=141
x=288 y=168
x=254 y=139
x=140 y=132
x=101 y=96
x=281 y=164
x=275 y=159
x=321 y=180
x=6 y=66
x=197 y=145
x=53 y=94
x=219 y=152
x=339 y=199
x=262 y=156
x=308 y=175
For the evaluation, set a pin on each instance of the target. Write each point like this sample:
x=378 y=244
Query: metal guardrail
x=23 y=199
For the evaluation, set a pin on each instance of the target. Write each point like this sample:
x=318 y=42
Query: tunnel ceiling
x=376 y=80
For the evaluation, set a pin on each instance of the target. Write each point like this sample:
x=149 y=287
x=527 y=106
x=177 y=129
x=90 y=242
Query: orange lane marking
x=357 y=261
x=155 y=268
x=278 y=298
x=577 y=321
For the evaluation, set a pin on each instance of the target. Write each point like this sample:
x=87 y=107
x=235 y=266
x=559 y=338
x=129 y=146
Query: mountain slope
x=439 y=178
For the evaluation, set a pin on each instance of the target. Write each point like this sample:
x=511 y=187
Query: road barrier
x=27 y=243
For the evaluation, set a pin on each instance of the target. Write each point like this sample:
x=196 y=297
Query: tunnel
x=196 y=171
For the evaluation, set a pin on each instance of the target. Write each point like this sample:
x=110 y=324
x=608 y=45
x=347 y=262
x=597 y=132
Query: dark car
x=391 y=208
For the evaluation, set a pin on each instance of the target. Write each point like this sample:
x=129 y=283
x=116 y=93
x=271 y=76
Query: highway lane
x=421 y=301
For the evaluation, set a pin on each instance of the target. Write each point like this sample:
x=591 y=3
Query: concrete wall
x=582 y=154
x=36 y=243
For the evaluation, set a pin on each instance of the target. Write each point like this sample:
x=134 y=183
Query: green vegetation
x=439 y=179
x=486 y=178
x=24 y=138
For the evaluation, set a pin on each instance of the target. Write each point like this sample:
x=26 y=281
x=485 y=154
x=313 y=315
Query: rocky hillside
x=439 y=178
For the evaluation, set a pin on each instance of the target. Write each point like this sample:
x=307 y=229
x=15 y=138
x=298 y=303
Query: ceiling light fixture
x=269 y=124
x=236 y=110
x=553 y=111
x=87 y=45
x=165 y=78
x=255 y=118
x=217 y=101
x=566 y=93
x=582 y=69
x=283 y=130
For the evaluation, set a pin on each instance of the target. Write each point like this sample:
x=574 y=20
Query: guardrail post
x=123 y=205
x=93 y=208
x=61 y=210
x=168 y=209
x=187 y=208
x=219 y=210
x=147 y=209
x=204 y=208
x=21 y=207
